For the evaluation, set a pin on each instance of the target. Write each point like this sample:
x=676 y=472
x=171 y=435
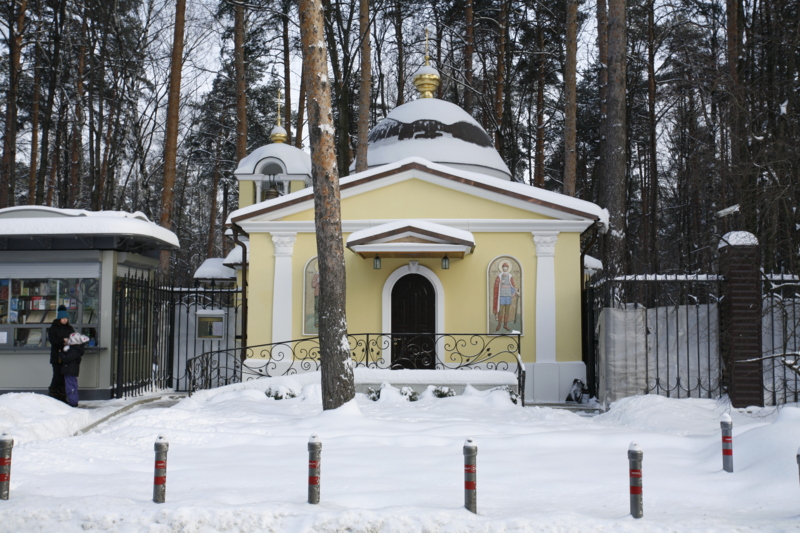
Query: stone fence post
x=740 y=318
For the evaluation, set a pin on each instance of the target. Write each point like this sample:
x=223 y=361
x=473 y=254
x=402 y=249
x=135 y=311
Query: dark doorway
x=413 y=323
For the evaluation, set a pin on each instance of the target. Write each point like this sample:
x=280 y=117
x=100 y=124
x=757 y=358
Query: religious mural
x=504 y=284
x=311 y=298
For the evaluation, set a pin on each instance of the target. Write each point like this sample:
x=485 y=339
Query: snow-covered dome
x=438 y=131
x=276 y=158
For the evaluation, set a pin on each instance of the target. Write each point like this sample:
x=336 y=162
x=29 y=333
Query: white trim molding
x=545 y=296
x=474 y=225
x=282 y=287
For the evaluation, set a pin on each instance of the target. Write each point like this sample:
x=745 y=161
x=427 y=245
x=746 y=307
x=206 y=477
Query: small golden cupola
x=273 y=169
x=426 y=80
x=278 y=133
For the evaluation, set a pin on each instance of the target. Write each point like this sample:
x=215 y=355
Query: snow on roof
x=738 y=238
x=520 y=189
x=591 y=264
x=214 y=268
x=438 y=131
x=428 y=227
x=40 y=220
x=234 y=258
x=293 y=160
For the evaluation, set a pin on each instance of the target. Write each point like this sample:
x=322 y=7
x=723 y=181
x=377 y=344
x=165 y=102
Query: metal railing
x=655 y=334
x=780 y=340
x=154 y=332
x=437 y=351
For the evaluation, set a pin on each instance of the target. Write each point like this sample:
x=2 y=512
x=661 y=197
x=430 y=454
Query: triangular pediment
x=411 y=238
x=360 y=196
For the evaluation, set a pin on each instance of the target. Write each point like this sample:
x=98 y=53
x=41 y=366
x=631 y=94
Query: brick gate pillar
x=740 y=312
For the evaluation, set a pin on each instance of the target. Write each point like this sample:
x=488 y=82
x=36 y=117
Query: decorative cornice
x=545 y=245
x=284 y=244
x=475 y=225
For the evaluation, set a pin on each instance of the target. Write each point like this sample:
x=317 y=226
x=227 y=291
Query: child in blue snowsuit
x=71 y=365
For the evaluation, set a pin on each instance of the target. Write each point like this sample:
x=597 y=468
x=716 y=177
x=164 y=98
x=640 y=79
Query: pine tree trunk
x=616 y=130
x=650 y=193
x=469 y=52
x=34 y=134
x=499 y=82
x=77 y=125
x=8 y=169
x=301 y=101
x=171 y=134
x=401 y=59
x=365 y=89
x=602 y=84
x=337 y=367
x=538 y=173
x=241 y=94
x=570 y=98
x=47 y=119
x=287 y=81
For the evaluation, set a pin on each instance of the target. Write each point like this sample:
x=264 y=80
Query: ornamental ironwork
x=416 y=351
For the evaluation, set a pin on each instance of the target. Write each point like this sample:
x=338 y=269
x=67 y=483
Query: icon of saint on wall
x=505 y=295
x=311 y=298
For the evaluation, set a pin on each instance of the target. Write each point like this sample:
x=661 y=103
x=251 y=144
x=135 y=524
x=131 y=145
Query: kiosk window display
x=29 y=306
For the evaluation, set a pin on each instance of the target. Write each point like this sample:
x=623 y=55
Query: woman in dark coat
x=58 y=335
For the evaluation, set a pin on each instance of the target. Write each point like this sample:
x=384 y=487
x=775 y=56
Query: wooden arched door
x=413 y=323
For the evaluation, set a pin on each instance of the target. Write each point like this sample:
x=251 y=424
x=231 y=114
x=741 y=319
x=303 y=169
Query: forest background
x=702 y=136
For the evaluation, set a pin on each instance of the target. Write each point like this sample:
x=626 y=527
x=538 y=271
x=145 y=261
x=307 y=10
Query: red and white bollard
x=726 y=426
x=160 y=476
x=635 y=465
x=314 y=454
x=6 y=445
x=470 y=476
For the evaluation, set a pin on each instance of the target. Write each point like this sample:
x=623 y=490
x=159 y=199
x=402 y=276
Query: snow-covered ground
x=238 y=462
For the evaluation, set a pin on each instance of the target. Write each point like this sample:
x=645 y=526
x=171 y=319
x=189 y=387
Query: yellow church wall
x=259 y=296
x=420 y=199
x=568 y=297
x=247 y=193
x=465 y=289
x=465 y=286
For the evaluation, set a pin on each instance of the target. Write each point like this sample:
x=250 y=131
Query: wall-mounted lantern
x=376 y=263
x=445 y=263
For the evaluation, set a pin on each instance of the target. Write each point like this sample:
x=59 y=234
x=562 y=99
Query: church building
x=438 y=239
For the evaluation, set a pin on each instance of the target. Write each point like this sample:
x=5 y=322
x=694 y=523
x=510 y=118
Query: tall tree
x=241 y=82
x=365 y=89
x=615 y=164
x=171 y=133
x=15 y=22
x=337 y=369
x=570 y=98
x=469 y=51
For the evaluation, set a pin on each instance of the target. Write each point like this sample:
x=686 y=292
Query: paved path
x=163 y=401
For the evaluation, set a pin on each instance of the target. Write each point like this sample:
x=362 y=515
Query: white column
x=258 y=191
x=282 y=287
x=545 y=297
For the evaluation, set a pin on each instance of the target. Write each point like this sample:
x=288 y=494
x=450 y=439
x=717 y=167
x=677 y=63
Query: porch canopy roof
x=411 y=238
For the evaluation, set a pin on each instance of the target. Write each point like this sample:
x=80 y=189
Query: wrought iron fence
x=439 y=351
x=654 y=334
x=155 y=332
x=143 y=337
x=781 y=338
